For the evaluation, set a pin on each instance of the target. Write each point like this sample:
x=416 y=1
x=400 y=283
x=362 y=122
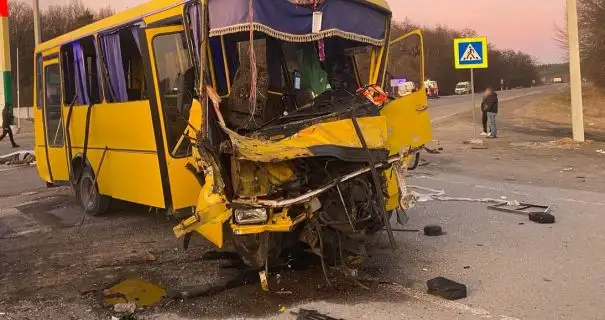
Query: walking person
x=489 y=106
x=6 y=127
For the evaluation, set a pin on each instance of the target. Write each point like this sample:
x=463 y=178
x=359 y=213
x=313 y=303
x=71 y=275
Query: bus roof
x=381 y=3
x=130 y=15
x=136 y=14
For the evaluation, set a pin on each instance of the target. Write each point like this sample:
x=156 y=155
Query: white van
x=463 y=88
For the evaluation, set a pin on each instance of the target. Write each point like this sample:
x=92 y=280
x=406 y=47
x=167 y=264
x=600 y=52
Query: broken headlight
x=250 y=215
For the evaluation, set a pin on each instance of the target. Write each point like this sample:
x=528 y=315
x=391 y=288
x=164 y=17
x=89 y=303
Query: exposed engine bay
x=332 y=195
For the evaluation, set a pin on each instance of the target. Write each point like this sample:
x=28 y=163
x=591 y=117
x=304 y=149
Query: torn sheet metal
x=323 y=139
x=407 y=199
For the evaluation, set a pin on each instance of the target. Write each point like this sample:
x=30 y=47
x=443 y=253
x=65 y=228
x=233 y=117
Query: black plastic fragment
x=433 y=230
x=542 y=217
x=304 y=314
x=446 y=288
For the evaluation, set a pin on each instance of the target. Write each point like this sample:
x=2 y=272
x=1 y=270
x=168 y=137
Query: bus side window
x=52 y=105
x=39 y=85
x=123 y=65
x=81 y=73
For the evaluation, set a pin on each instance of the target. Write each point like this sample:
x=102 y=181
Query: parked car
x=463 y=88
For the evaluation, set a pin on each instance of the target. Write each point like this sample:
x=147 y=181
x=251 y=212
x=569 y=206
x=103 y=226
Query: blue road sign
x=470 y=53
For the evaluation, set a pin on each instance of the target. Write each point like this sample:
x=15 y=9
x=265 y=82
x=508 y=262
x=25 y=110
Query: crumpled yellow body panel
x=339 y=133
x=254 y=179
x=211 y=212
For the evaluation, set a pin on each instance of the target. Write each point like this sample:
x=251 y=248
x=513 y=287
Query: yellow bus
x=257 y=120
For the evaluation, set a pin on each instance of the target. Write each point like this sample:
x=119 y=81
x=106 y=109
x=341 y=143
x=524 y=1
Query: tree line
x=514 y=68
x=517 y=69
x=591 y=22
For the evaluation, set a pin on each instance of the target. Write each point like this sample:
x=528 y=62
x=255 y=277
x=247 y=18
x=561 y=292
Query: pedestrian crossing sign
x=470 y=53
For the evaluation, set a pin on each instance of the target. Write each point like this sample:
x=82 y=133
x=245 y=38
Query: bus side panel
x=128 y=176
x=130 y=170
x=58 y=163
x=183 y=183
x=39 y=146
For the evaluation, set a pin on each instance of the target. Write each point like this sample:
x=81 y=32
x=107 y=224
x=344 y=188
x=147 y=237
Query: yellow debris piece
x=135 y=290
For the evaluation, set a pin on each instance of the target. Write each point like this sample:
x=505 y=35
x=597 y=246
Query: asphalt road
x=448 y=106
x=513 y=268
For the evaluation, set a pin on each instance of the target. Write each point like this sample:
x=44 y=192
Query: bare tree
x=591 y=19
x=55 y=21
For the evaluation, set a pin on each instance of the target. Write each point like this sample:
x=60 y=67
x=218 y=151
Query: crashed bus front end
x=295 y=140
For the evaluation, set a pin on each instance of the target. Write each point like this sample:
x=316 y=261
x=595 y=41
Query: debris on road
x=18 y=157
x=601 y=151
x=446 y=288
x=434 y=194
x=125 y=308
x=565 y=144
x=542 y=216
x=406 y=230
x=473 y=141
x=433 y=230
x=304 y=314
x=134 y=290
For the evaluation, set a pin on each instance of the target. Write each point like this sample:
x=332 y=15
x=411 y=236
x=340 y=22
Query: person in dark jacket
x=484 y=122
x=489 y=106
x=6 y=128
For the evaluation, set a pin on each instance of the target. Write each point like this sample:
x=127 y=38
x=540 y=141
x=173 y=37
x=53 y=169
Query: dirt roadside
x=530 y=149
x=60 y=268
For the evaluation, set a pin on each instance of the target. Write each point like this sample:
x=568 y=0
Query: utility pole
x=6 y=76
x=36 y=22
x=575 y=75
x=18 y=96
x=473 y=99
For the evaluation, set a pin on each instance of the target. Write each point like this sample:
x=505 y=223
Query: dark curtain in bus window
x=80 y=74
x=135 y=35
x=176 y=81
x=52 y=105
x=112 y=53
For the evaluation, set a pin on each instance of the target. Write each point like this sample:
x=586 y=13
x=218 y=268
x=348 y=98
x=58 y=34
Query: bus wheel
x=88 y=194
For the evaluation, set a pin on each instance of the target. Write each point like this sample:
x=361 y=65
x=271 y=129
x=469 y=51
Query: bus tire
x=88 y=195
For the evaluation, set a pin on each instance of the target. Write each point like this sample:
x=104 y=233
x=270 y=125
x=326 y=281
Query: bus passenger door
x=173 y=77
x=55 y=141
x=408 y=119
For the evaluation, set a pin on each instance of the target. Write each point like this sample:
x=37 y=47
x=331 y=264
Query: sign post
x=471 y=53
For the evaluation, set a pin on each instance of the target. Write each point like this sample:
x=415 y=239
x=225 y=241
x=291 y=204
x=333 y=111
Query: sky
x=525 y=25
